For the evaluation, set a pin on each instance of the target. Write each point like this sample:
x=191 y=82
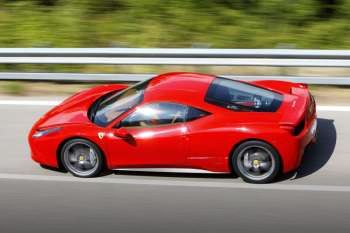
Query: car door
x=154 y=135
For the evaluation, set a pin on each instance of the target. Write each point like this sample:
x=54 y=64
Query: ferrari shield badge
x=101 y=135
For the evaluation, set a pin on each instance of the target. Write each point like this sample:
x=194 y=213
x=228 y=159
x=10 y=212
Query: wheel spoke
x=82 y=166
x=255 y=170
x=265 y=166
x=92 y=157
x=246 y=162
x=73 y=158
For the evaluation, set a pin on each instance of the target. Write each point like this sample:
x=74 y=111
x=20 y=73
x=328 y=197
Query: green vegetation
x=13 y=88
x=314 y=24
x=175 y=23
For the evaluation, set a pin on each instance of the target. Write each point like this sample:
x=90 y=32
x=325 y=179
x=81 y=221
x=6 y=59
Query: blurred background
x=319 y=24
x=298 y=24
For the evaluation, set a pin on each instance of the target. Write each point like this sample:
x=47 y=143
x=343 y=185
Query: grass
x=13 y=88
x=175 y=23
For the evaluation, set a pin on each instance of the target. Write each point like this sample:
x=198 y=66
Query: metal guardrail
x=175 y=52
x=80 y=77
x=161 y=56
x=172 y=56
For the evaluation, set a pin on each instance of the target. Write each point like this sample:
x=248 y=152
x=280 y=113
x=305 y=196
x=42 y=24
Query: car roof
x=180 y=87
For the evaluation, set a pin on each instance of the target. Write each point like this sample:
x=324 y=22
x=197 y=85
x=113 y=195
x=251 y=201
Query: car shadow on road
x=318 y=154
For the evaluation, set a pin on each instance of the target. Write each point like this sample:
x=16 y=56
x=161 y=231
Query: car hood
x=74 y=109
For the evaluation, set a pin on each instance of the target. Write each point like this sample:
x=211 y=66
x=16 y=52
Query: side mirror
x=122 y=133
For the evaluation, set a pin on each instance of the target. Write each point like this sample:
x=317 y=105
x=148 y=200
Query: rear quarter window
x=195 y=113
x=239 y=96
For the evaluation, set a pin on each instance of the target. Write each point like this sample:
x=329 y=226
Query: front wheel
x=81 y=158
x=256 y=162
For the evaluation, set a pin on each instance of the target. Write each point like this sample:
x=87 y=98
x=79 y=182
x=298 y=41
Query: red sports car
x=180 y=121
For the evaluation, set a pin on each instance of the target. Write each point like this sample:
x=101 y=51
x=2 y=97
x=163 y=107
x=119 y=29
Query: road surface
x=33 y=199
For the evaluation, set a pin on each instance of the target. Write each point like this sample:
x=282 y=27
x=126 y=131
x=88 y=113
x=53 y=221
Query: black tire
x=94 y=158
x=255 y=153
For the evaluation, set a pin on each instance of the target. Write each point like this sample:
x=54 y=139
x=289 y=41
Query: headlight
x=44 y=132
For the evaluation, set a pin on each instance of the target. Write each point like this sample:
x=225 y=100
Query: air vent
x=299 y=128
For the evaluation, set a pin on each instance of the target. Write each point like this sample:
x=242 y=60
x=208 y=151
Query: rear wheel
x=256 y=162
x=82 y=158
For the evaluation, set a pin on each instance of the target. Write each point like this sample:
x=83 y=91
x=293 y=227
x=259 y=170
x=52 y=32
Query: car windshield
x=113 y=106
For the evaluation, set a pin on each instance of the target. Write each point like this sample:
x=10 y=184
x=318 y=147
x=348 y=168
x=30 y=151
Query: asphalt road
x=33 y=199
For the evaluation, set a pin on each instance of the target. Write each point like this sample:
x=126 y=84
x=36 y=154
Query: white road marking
x=30 y=102
x=333 y=108
x=178 y=183
x=320 y=108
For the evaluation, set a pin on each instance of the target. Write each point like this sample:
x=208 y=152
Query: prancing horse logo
x=101 y=135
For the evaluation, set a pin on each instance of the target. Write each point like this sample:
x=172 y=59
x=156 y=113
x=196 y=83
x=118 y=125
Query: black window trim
x=204 y=111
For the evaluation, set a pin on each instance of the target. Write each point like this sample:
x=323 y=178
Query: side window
x=195 y=113
x=239 y=96
x=155 y=114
